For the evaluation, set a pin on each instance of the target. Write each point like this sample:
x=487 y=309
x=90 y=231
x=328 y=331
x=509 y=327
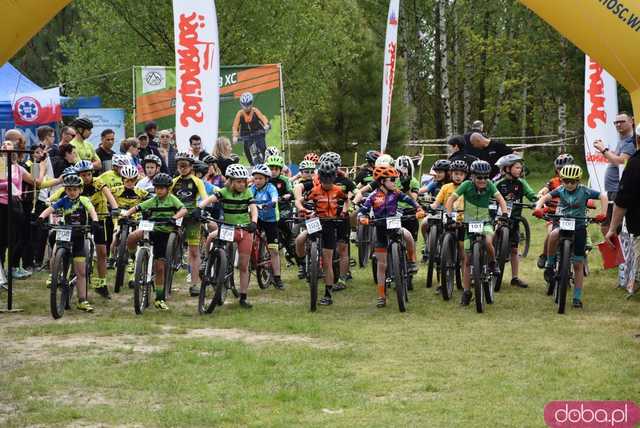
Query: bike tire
x=59 y=293
x=432 y=238
x=122 y=258
x=213 y=276
x=399 y=276
x=88 y=260
x=264 y=269
x=231 y=258
x=220 y=285
x=363 y=244
x=476 y=276
x=313 y=271
x=170 y=260
x=565 y=275
x=448 y=261
x=526 y=231
x=141 y=283
x=502 y=248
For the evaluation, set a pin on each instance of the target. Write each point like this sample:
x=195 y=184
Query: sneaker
x=382 y=302
x=277 y=283
x=542 y=261
x=3 y=286
x=302 y=272
x=130 y=267
x=188 y=277
x=194 y=290
x=438 y=289
x=161 y=305
x=517 y=282
x=466 y=298
x=412 y=267
x=26 y=272
x=17 y=274
x=340 y=284
x=48 y=282
x=245 y=304
x=577 y=303
x=549 y=273
x=326 y=301
x=84 y=306
x=348 y=276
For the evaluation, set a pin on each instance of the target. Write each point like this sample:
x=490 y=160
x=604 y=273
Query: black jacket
x=629 y=193
x=494 y=151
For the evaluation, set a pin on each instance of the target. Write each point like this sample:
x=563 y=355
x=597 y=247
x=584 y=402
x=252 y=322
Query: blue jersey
x=574 y=204
x=434 y=187
x=267 y=200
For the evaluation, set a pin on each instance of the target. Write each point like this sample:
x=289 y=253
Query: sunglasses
x=619 y=122
x=307 y=171
x=482 y=177
x=568 y=181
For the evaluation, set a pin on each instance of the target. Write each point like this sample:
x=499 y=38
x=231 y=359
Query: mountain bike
x=122 y=253
x=481 y=277
x=434 y=241
x=254 y=145
x=260 y=261
x=450 y=260
x=364 y=243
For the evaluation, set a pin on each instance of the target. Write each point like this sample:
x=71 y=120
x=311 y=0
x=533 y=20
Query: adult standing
x=626 y=206
x=457 y=145
x=146 y=150
x=47 y=137
x=487 y=150
x=67 y=157
x=251 y=125
x=82 y=145
x=151 y=129
x=104 y=150
x=195 y=142
x=476 y=126
x=67 y=134
x=167 y=152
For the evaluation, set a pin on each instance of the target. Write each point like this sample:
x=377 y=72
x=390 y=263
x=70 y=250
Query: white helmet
x=404 y=165
x=119 y=160
x=246 y=99
x=271 y=151
x=237 y=171
x=261 y=169
x=129 y=171
x=384 y=160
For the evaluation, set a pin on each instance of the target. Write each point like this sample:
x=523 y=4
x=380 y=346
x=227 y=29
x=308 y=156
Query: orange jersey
x=553 y=184
x=326 y=201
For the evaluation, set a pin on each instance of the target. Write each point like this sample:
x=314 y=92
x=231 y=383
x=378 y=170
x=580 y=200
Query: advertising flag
x=37 y=108
x=389 y=70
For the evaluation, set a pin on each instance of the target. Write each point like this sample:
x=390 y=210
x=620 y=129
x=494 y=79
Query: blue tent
x=13 y=82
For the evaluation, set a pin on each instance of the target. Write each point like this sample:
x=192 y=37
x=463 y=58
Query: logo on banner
x=153 y=79
x=28 y=109
x=393 y=19
x=596 y=96
x=389 y=77
x=190 y=60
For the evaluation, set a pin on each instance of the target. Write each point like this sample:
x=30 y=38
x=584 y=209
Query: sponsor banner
x=389 y=70
x=37 y=108
x=153 y=79
x=600 y=109
x=105 y=118
x=197 y=70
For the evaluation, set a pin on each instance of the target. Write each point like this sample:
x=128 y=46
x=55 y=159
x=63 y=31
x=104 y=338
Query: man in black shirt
x=487 y=150
x=196 y=147
x=104 y=152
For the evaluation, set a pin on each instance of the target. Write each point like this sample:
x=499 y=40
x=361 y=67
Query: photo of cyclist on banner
x=249 y=128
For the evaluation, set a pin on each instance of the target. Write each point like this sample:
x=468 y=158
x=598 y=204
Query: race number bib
x=63 y=235
x=227 y=232
x=179 y=221
x=146 y=226
x=493 y=207
x=394 y=223
x=313 y=225
x=568 y=224
x=475 y=227
x=435 y=216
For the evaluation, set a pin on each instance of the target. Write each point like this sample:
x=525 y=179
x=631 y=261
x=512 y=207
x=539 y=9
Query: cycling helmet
x=237 y=171
x=72 y=181
x=83 y=166
x=385 y=160
x=261 y=169
x=81 y=122
x=372 y=156
x=562 y=160
x=152 y=158
x=307 y=164
x=272 y=151
x=201 y=167
x=275 y=161
x=571 y=172
x=162 y=180
x=480 y=167
x=382 y=171
x=508 y=160
x=441 y=165
x=312 y=157
x=119 y=160
x=70 y=170
x=404 y=165
x=129 y=171
x=327 y=169
x=184 y=156
x=332 y=157
x=246 y=99
x=459 y=165
x=208 y=159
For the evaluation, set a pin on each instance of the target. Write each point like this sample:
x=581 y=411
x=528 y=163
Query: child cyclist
x=384 y=203
x=441 y=170
x=327 y=197
x=112 y=179
x=239 y=209
x=77 y=210
x=160 y=235
x=478 y=193
x=307 y=168
x=573 y=198
x=151 y=164
x=285 y=192
x=266 y=197
x=514 y=188
x=188 y=188
x=365 y=174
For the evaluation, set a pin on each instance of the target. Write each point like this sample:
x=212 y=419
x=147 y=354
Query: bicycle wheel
x=170 y=257
x=363 y=243
x=502 y=247
x=525 y=237
x=59 y=293
x=476 y=276
x=264 y=270
x=487 y=281
x=432 y=238
x=399 y=276
x=313 y=272
x=220 y=285
x=448 y=261
x=88 y=260
x=565 y=275
x=211 y=280
x=141 y=283
x=122 y=258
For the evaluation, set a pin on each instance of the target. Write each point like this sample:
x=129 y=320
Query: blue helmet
x=83 y=166
x=246 y=99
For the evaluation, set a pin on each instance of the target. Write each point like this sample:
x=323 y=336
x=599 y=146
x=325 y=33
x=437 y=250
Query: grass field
x=438 y=365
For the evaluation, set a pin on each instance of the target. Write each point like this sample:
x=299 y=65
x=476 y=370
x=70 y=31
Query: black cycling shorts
x=159 y=241
x=77 y=242
x=329 y=229
x=270 y=229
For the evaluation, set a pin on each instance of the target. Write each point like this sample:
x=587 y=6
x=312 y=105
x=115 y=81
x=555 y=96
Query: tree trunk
x=523 y=129
x=482 y=92
x=437 y=80
x=444 y=82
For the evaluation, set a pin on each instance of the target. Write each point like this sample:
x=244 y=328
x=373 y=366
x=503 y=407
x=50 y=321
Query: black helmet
x=72 y=181
x=201 y=167
x=234 y=158
x=82 y=122
x=209 y=159
x=372 y=155
x=459 y=165
x=327 y=169
x=480 y=167
x=162 y=179
x=441 y=165
x=152 y=158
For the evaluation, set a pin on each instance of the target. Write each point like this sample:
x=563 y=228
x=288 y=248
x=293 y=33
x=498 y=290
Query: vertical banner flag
x=37 y=108
x=389 y=70
x=600 y=109
x=197 y=70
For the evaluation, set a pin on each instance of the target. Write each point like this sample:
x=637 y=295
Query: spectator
x=167 y=152
x=457 y=145
x=151 y=129
x=66 y=157
x=196 y=147
x=104 y=150
x=67 y=134
x=81 y=143
x=476 y=126
x=223 y=154
x=42 y=168
x=145 y=150
x=487 y=150
x=626 y=205
x=47 y=137
x=132 y=150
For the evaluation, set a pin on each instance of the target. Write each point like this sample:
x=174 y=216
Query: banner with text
x=389 y=70
x=105 y=118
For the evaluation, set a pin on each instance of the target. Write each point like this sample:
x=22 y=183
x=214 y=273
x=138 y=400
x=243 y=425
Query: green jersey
x=476 y=204
x=235 y=206
x=110 y=179
x=169 y=201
